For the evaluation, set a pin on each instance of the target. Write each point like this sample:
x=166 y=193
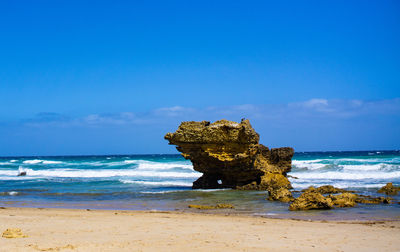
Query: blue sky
x=112 y=77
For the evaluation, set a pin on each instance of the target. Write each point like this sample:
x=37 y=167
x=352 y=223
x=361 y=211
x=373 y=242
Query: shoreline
x=57 y=229
x=363 y=213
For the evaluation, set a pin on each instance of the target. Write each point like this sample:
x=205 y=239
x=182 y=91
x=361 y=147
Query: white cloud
x=172 y=111
x=316 y=108
x=312 y=103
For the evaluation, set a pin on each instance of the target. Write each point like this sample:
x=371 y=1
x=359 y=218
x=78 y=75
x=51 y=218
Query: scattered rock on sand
x=222 y=205
x=311 y=200
x=389 y=189
x=229 y=156
x=218 y=206
x=13 y=233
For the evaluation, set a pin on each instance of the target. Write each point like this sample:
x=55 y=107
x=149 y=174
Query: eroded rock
x=365 y=199
x=344 y=199
x=325 y=189
x=389 y=189
x=229 y=156
x=309 y=201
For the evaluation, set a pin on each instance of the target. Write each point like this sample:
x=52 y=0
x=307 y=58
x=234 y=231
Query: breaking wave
x=39 y=161
x=98 y=173
x=158 y=184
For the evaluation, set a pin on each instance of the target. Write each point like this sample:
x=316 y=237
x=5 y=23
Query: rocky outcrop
x=229 y=156
x=366 y=199
x=311 y=200
x=344 y=199
x=325 y=189
x=389 y=189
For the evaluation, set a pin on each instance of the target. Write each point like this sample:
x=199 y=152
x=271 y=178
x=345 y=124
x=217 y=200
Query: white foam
x=158 y=183
x=21 y=169
x=374 y=167
x=34 y=161
x=149 y=165
x=163 y=166
x=307 y=161
x=13 y=160
x=265 y=214
x=309 y=164
x=38 y=161
x=349 y=184
x=51 y=162
x=159 y=192
x=346 y=175
x=100 y=173
x=349 y=164
x=131 y=161
x=212 y=190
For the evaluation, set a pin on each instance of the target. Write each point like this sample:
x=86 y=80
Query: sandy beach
x=108 y=230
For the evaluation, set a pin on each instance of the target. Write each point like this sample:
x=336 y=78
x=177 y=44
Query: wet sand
x=107 y=230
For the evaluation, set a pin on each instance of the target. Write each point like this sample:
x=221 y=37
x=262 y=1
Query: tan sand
x=95 y=230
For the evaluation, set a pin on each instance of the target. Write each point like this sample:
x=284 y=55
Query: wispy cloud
x=309 y=109
x=172 y=111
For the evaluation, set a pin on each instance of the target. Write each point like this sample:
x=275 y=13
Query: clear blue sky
x=109 y=77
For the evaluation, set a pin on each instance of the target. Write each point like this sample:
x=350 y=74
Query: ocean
x=163 y=183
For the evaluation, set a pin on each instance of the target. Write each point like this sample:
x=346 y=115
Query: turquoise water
x=163 y=182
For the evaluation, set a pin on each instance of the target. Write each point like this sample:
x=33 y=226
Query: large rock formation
x=229 y=156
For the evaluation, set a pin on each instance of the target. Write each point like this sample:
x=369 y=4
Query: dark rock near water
x=364 y=199
x=23 y=173
x=345 y=199
x=389 y=189
x=229 y=156
x=325 y=189
x=313 y=198
x=310 y=200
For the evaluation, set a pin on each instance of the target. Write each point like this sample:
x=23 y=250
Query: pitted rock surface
x=229 y=156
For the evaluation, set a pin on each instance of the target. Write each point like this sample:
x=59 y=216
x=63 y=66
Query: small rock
x=278 y=187
x=364 y=199
x=344 y=199
x=23 y=173
x=389 y=189
x=326 y=189
x=13 y=233
x=222 y=206
x=218 y=206
x=311 y=200
x=280 y=194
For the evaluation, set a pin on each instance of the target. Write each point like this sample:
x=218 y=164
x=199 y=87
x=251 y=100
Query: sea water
x=163 y=182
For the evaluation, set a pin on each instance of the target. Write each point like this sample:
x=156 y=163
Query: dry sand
x=102 y=230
